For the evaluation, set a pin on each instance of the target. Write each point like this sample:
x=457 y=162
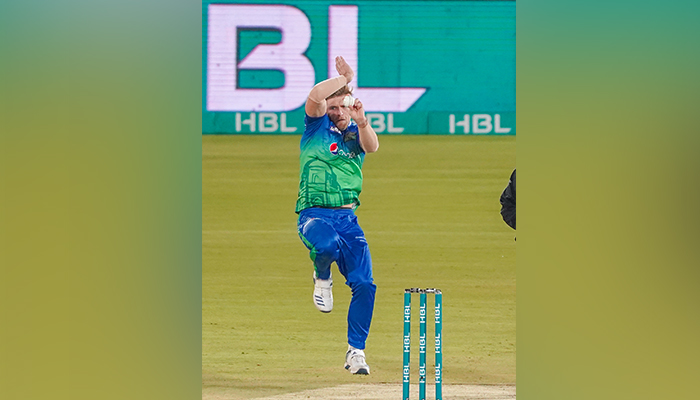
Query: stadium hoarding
x=437 y=67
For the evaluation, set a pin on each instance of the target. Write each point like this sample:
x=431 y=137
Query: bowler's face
x=338 y=113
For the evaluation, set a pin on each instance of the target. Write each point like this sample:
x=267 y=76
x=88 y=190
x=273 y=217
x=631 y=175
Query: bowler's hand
x=367 y=136
x=357 y=113
x=343 y=68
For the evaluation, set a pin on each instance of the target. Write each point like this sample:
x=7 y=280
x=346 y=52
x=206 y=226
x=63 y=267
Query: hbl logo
x=287 y=56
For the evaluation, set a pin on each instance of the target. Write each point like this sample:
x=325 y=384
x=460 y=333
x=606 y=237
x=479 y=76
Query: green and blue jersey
x=330 y=173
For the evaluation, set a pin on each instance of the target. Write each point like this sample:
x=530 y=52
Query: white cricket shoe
x=355 y=362
x=323 y=294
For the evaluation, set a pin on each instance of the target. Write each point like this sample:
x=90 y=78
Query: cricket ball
x=348 y=100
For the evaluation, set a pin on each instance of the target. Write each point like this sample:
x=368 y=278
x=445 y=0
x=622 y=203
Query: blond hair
x=340 y=92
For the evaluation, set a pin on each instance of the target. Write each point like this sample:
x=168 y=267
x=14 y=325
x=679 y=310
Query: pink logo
x=334 y=148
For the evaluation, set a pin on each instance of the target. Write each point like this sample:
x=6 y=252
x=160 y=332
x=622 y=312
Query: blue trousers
x=335 y=236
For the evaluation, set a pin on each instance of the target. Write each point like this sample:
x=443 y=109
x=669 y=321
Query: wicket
x=422 y=342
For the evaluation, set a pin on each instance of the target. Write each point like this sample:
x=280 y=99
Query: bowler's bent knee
x=363 y=288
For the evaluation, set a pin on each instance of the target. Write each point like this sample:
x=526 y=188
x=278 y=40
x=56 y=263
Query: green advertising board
x=422 y=67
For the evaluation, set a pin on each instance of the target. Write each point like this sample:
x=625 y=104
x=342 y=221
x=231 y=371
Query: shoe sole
x=360 y=371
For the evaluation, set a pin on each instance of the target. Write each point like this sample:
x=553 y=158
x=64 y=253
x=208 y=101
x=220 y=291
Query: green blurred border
x=100 y=200
x=607 y=275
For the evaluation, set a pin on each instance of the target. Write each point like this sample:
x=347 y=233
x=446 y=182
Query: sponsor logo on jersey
x=334 y=149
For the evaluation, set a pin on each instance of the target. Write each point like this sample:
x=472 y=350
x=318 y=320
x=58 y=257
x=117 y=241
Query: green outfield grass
x=430 y=212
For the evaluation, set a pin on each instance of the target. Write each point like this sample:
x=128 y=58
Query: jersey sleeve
x=311 y=126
